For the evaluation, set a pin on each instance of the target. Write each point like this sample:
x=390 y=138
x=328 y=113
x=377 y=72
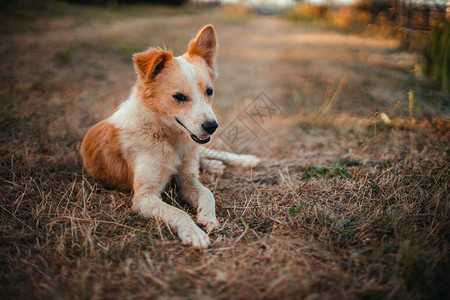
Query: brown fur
x=151 y=62
x=204 y=46
x=102 y=156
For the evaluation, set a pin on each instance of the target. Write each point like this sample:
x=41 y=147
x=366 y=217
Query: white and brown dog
x=154 y=136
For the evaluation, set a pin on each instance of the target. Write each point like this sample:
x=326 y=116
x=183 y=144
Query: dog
x=156 y=134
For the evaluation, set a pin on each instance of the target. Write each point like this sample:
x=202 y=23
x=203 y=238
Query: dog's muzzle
x=200 y=139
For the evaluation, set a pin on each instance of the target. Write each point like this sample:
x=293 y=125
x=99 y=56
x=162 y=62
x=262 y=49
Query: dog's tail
x=241 y=160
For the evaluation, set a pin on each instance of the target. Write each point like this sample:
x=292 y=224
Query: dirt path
x=83 y=65
x=296 y=65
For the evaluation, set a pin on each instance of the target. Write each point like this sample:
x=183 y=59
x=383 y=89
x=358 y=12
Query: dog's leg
x=200 y=197
x=148 y=203
x=243 y=160
x=197 y=195
x=151 y=205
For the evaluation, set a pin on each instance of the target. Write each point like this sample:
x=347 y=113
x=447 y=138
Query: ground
x=344 y=205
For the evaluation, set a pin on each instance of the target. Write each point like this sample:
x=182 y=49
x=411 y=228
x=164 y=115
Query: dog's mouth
x=198 y=139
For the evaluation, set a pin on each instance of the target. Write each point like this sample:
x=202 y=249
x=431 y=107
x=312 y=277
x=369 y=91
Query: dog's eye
x=180 y=97
x=209 y=92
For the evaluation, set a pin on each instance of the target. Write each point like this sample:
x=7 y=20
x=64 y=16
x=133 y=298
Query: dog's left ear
x=205 y=46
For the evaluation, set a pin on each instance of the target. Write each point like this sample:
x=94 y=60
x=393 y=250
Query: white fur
x=154 y=165
x=212 y=166
x=201 y=111
x=189 y=72
x=121 y=118
x=242 y=160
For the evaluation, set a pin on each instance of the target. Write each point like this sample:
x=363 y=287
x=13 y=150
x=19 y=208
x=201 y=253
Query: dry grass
x=343 y=207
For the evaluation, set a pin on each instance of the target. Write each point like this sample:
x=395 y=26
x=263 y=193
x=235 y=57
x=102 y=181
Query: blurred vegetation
x=29 y=9
x=117 y=2
x=420 y=27
x=436 y=55
x=23 y=15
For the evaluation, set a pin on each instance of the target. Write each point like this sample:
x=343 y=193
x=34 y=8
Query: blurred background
x=298 y=52
x=313 y=58
x=67 y=64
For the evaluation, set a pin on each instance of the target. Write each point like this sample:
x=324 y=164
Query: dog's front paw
x=208 y=223
x=192 y=235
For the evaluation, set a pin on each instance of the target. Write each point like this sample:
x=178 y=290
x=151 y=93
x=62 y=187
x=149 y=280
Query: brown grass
x=344 y=205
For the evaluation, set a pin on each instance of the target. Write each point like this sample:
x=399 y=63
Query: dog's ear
x=205 y=46
x=151 y=62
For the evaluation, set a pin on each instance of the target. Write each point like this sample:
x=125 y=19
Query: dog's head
x=180 y=89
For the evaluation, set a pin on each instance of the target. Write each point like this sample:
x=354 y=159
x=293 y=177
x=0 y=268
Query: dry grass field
x=344 y=206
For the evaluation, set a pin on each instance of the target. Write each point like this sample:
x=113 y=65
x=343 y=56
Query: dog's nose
x=210 y=126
